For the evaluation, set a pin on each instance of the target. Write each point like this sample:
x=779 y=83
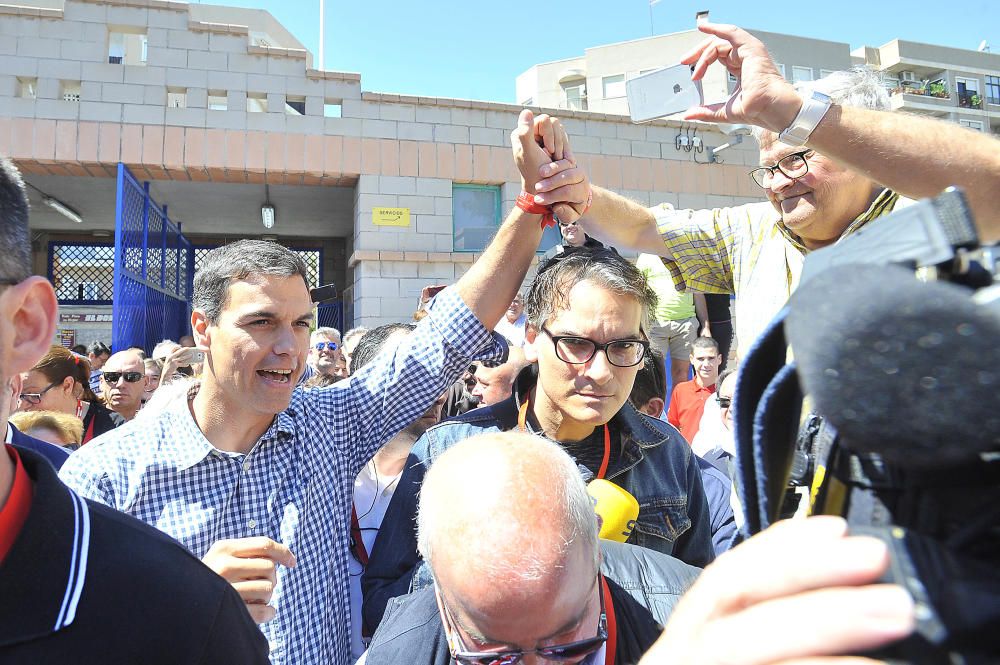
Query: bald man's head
x=510 y=533
x=506 y=508
x=124 y=382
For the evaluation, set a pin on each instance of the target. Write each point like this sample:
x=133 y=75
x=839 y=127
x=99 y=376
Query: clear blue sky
x=475 y=49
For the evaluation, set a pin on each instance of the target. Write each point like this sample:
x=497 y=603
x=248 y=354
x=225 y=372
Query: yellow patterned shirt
x=746 y=251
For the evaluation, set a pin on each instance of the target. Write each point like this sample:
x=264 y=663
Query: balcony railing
x=970 y=100
x=921 y=92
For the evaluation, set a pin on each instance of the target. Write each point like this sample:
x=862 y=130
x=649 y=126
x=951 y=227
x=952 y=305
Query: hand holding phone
x=663 y=92
x=193 y=356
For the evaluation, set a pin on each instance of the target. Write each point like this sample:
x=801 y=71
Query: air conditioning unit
x=907 y=76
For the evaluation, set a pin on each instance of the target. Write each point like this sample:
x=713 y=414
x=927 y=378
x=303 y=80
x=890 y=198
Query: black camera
x=895 y=339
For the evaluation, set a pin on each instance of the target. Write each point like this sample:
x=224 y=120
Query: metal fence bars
x=154 y=270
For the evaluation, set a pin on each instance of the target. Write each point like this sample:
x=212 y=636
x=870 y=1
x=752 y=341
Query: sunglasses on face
x=724 y=402
x=557 y=652
x=130 y=377
x=36 y=398
x=329 y=346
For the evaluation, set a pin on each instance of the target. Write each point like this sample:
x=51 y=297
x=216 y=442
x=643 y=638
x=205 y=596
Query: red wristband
x=526 y=202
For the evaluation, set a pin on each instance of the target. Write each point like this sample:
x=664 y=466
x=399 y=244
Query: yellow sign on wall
x=391 y=216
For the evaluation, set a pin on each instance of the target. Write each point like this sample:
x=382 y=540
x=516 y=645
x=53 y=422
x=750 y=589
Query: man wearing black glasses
x=587 y=316
x=123 y=383
x=509 y=531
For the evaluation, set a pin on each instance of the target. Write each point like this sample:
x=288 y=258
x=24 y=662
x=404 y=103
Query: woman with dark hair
x=60 y=381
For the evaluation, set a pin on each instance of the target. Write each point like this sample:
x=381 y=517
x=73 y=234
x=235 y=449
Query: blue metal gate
x=330 y=315
x=154 y=270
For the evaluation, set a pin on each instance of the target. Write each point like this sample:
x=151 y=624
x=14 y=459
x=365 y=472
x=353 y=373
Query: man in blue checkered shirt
x=256 y=476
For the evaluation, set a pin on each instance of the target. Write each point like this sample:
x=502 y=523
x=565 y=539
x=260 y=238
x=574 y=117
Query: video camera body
x=895 y=333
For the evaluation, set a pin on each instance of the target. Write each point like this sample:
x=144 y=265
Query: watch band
x=814 y=107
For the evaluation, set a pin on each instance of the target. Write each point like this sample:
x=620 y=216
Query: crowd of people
x=434 y=491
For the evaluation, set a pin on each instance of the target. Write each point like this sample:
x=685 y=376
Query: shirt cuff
x=461 y=330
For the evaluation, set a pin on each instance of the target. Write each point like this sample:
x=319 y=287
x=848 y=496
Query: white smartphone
x=193 y=356
x=663 y=92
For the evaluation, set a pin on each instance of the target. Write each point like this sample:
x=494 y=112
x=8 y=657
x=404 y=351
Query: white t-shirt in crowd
x=372 y=494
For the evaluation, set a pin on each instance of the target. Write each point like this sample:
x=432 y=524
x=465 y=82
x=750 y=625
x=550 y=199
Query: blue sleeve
x=718 y=489
x=394 y=556
x=694 y=546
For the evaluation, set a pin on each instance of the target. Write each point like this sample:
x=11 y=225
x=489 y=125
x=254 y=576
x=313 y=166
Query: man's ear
x=530 y=338
x=32 y=308
x=15 y=385
x=654 y=407
x=199 y=328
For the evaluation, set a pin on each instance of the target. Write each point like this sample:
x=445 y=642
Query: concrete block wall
x=72 y=45
x=442 y=142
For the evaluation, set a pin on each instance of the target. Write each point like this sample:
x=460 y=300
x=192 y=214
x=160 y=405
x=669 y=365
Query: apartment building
x=596 y=80
x=221 y=113
x=950 y=83
x=954 y=84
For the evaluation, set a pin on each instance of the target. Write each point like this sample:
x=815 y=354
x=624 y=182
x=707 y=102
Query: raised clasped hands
x=548 y=168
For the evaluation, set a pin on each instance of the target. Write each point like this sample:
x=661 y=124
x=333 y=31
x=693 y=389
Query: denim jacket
x=656 y=466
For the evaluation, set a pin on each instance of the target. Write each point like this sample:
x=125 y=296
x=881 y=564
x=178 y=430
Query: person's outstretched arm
x=915 y=156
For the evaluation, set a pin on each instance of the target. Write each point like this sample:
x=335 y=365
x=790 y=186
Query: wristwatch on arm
x=814 y=107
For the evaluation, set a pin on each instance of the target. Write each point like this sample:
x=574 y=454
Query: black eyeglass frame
x=328 y=346
x=597 y=347
x=556 y=652
x=34 y=399
x=728 y=401
x=769 y=170
x=112 y=377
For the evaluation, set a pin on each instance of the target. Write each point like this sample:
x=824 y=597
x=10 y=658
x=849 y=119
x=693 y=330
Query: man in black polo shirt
x=80 y=582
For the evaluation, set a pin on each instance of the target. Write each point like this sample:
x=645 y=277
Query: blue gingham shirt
x=295 y=485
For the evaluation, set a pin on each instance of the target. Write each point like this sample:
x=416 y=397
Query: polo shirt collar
x=45 y=572
x=192 y=444
x=882 y=205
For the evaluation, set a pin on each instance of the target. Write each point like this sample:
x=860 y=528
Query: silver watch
x=814 y=107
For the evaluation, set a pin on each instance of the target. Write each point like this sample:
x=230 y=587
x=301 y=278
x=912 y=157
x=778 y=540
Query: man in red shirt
x=687 y=401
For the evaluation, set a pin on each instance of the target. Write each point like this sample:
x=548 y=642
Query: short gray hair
x=15 y=243
x=549 y=292
x=500 y=460
x=164 y=348
x=239 y=261
x=860 y=87
x=353 y=332
x=324 y=332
